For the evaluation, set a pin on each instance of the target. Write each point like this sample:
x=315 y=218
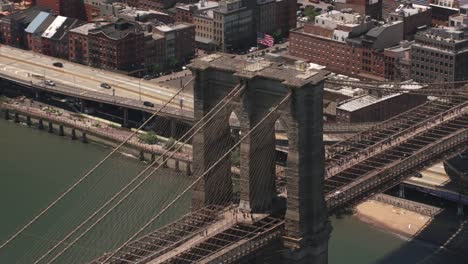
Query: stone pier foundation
x=17 y=120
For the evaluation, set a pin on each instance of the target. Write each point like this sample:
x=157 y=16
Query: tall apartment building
x=440 y=55
x=346 y=43
x=398 y=61
x=414 y=17
x=179 y=42
x=233 y=25
x=372 y=8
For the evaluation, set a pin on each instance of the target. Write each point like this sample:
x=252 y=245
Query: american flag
x=265 y=39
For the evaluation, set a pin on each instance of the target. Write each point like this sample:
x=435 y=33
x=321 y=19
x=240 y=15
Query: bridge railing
x=398 y=170
x=381 y=146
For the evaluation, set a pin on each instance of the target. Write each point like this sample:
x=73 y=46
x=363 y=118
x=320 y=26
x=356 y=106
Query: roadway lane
x=23 y=64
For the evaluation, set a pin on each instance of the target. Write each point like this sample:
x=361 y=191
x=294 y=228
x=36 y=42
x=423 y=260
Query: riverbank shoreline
x=55 y=119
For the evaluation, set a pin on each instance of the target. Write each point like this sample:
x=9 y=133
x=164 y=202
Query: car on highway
x=105 y=85
x=149 y=104
x=58 y=64
x=49 y=82
x=147 y=77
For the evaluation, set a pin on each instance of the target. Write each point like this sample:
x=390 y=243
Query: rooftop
x=368 y=100
x=39 y=21
x=410 y=9
x=84 y=29
x=59 y=27
x=201 y=5
x=118 y=30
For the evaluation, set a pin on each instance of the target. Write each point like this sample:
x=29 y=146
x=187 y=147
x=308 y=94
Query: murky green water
x=36 y=167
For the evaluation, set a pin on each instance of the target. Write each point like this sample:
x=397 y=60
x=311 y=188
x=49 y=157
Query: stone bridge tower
x=307 y=228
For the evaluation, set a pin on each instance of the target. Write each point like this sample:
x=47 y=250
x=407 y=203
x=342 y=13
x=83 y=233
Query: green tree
x=149 y=138
x=310 y=12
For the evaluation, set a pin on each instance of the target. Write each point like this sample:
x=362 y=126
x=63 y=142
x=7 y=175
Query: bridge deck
x=383 y=131
x=405 y=157
x=165 y=239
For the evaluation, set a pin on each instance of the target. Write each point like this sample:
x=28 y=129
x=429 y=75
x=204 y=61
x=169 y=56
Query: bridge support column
x=153 y=157
x=17 y=120
x=257 y=159
x=84 y=138
x=82 y=106
x=173 y=128
x=401 y=191
x=28 y=121
x=51 y=127
x=61 y=131
x=460 y=207
x=211 y=142
x=73 y=134
x=7 y=114
x=41 y=124
x=307 y=227
x=142 y=155
x=189 y=169
x=125 y=118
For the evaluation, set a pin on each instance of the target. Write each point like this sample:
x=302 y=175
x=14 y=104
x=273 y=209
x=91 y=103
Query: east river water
x=35 y=167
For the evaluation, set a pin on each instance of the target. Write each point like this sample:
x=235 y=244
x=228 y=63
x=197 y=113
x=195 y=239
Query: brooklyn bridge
x=231 y=219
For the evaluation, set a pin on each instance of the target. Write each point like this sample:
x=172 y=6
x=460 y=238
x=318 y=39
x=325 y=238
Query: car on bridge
x=105 y=86
x=49 y=82
x=58 y=64
x=149 y=104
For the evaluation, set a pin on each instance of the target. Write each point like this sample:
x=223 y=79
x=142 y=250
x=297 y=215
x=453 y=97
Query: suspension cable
x=199 y=178
x=87 y=174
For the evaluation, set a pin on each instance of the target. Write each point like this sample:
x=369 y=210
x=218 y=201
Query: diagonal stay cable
x=199 y=178
x=87 y=174
x=233 y=94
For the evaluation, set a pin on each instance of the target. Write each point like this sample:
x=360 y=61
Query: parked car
x=147 y=77
x=58 y=64
x=149 y=104
x=49 y=82
x=105 y=85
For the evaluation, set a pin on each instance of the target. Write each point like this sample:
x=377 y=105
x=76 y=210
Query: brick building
x=345 y=43
x=55 y=38
x=78 y=42
x=440 y=55
x=12 y=26
x=372 y=8
x=67 y=8
x=35 y=29
x=117 y=46
x=185 y=13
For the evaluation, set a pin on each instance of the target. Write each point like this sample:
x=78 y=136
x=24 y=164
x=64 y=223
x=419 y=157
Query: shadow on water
x=445 y=229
